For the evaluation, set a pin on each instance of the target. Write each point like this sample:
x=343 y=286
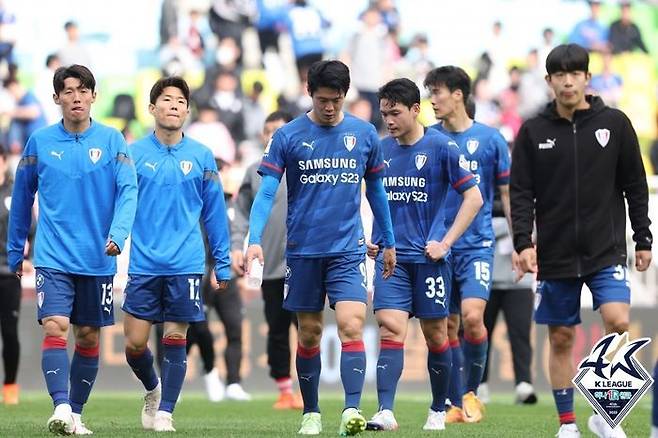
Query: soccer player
x=274 y=245
x=179 y=187
x=483 y=151
x=87 y=199
x=422 y=165
x=326 y=153
x=573 y=168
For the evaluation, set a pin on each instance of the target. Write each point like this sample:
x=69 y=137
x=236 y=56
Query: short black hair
x=567 y=58
x=329 y=74
x=69 y=24
x=77 y=71
x=453 y=77
x=402 y=91
x=169 y=81
x=279 y=115
x=50 y=58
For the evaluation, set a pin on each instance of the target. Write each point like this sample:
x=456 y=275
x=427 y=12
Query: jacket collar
x=596 y=105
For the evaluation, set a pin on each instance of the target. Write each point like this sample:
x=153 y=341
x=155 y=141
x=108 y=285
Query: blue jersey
x=306 y=27
x=483 y=151
x=87 y=194
x=417 y=180
x=179 y=187
x=324 y=167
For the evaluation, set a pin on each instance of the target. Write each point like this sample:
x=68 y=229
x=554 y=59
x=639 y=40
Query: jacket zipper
x=575 y=149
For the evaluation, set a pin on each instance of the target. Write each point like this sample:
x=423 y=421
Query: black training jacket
x=572 y=177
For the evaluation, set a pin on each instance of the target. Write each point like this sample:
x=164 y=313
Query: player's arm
x=125 y=203
x=260 y=212
x=522 y=200
x=240 y=223
x=20 y=213
x=633 y=182
x=376 y=195
x=215 y=221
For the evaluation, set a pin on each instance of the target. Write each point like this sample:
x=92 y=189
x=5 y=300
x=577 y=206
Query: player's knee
x=87 y=337
x=390 y=330
x=453 y=326
x=310 y=333
x=55 y=327
x=561 y=339
x=351 y=330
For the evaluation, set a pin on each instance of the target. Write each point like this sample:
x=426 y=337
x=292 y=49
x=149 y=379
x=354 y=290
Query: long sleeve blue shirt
x=179 y=186
x=87 y=195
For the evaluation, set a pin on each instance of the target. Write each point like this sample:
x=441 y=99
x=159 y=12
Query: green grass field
x=117 y=415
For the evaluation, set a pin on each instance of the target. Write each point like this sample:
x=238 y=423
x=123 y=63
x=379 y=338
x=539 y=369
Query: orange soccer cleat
x=10 y=394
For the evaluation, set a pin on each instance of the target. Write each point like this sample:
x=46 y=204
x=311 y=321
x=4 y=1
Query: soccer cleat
x=382 y=420
x=454 y=414
x=435 y=420
x=568 y=431
x=599 y=427
x=61 y=422
x=654 y=432
x=472 y=407
x=80 y=428
x=163 y=422
x=311 y=424
x=235 y=392
x=525 y=394
x=10 y=394
x=214 y=386
x=288 y=401
x=151 y=405
x=351 y=422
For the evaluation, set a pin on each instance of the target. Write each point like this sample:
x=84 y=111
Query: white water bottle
x=255 y=276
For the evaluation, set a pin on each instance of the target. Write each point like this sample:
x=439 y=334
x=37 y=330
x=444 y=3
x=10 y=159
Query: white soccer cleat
x=214 y=386
x=435 y=420
x=163 y=422
x=568 y=431
x=311 y=424
x=80 y=428
x=483 y=393
x=525 y=394
x=383 y=420
x=61 y=422
x=654 y=432
x=151 y=405
x=235 y=392
x=599 y=427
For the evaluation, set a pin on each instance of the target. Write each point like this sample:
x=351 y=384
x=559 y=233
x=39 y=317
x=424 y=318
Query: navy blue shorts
x=471 y=277
x=421 y=289
x=87 y=300
x=557 y=302
x=310 y=280
x=159 y=298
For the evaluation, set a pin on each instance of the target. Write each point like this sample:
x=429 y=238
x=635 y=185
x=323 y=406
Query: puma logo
x=57 y=154
x=52 y=371
x=308 y=145
x=358 y=370
x=151 y=165
x=382 y=366
x=435 y=371
x=307 y=378
x=87 y=382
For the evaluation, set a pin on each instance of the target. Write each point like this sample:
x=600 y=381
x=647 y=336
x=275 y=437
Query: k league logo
x=611 y=379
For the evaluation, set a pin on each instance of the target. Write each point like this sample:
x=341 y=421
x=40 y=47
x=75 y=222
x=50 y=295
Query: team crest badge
x=612 y=379
x=40 y=281
x=40 y=299
x=95 y=155
x=420 y=161
x=186 y=166
x=472 y=146
x=349 y=141
x=602 y=136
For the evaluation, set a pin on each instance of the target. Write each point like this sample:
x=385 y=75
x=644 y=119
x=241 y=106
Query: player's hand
x=19 y=271
x=436 y=250
x=528 y=260
x=642 y=260
x=389 y=263
x=516 y=267
x=112 y=249
x=253 y=252
x=237 y=261
x=373 y=250
x=220 y=286
x=28 y=267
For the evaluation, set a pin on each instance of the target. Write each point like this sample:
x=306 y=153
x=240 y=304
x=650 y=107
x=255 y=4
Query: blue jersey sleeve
x=502 y=160
x=22 y=199
x=215 y=219
x=274 y=157
x=375 y=165
x=125 y=204
x=261 y=208
x=460 y=178
x=376 y=194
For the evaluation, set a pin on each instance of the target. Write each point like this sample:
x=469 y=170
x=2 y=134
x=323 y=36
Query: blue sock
x=174 y=366
x=309 y=365
x=475 y=358
x=439 y=363
x=456 y=388
x=55 y=367
x=353 y=372
x=141 y=363
x=389 y=369
x=654 y=406
x=84 y=368
x=564 y=403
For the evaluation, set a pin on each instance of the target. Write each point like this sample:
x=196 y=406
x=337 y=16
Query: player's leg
x=558 y=306
x=10 y=302
x=199 y=333
x=456 y=387
x=475 y=346
x=84 y=369
x=491 y=311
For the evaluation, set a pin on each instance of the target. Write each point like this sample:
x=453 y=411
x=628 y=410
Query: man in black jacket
x=572 y=167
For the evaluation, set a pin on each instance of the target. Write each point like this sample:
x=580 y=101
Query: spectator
x=230 y=18
x=227 y=102
x=625 y=36
x=73 y=52
x=26 y=117
x=271 y=14
x=193 y=32
x=533 y=90
x=607 y=84
x=306 y=26
x=208 y=130
x=43 y=89
x=254 y=113
x=546 y=47
x=168 y=21
x=591 y=33
x=7 y=34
